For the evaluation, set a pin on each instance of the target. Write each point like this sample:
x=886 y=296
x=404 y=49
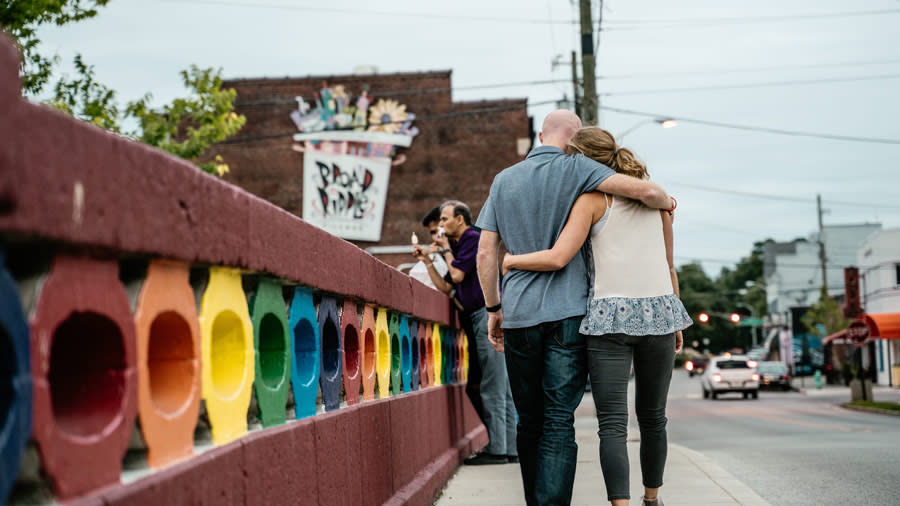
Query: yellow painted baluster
x=437 y=353
x=383 y=352
x=228 y=357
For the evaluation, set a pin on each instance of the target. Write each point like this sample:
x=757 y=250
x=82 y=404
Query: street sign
x=858 y=332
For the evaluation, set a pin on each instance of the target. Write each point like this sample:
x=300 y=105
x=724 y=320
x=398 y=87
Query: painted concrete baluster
x=15 y=381
x=330 y=377
x=369 y=351
x=83 y=363
x=465 y=356
x=437 y=355
x=272 y=341
x=414 y=357
x=228 y=356
x=429 y=354
x=423 y=355
x=352 y=357
x=168 y=351
x=405 y=355
x=383 y=349
x=305 y=336
x=396 y=351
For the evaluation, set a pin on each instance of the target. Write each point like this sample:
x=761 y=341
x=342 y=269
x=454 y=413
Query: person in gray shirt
x=537 y=327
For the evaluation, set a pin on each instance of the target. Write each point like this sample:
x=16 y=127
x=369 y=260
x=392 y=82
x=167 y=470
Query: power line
x=541 y=82
x=626 y=24
x=751 y=128
x=373 y=12
x=753 y=85
x=750 y=69
x=468 y=112
x=780 y=197
x=634 y=24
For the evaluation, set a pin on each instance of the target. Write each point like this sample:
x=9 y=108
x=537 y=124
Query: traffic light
x=703 y=317
x=735 y=318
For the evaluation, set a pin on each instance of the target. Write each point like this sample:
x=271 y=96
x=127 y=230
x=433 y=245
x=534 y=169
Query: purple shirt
x=468 y=291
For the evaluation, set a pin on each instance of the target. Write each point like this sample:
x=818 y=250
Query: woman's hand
x=506 y=263
x=679 y=342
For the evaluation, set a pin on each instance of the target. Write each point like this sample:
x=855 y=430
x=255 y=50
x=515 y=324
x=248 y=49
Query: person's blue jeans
x=499 y=413
x=547 y=366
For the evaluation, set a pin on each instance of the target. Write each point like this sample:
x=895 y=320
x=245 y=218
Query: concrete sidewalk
x=690 y=480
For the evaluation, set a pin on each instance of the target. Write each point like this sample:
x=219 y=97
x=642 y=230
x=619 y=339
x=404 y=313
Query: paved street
x=793 y=449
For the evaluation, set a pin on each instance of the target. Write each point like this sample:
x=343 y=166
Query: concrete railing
x=219 y=348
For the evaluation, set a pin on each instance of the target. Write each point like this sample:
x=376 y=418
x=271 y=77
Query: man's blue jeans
x=547 y=367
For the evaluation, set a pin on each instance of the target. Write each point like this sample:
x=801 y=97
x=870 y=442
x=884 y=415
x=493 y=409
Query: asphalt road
x=793 y=449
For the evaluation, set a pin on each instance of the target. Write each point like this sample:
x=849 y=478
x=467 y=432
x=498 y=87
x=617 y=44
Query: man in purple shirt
x=459 y=248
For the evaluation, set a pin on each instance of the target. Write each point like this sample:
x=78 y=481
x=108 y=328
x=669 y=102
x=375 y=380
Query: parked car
x=774 y=375
x=696 y=365
x=734 y=373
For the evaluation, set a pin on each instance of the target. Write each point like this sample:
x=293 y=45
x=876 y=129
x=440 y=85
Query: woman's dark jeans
x=547 y=366
x=609 y=360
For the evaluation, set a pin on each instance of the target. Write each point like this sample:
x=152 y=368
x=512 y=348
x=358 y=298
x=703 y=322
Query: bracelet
x=674 y=204
x=444 y=251
x=493 y=309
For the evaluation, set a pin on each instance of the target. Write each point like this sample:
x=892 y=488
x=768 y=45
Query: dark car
x=774 y=375
x=696 y=365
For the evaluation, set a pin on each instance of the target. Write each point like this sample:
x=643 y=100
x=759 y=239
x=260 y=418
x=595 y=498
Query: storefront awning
x=883 y=325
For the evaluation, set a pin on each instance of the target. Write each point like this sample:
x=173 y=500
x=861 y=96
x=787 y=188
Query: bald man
x=538 y=323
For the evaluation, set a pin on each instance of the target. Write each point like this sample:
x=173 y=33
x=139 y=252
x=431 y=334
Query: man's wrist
x=493 y=309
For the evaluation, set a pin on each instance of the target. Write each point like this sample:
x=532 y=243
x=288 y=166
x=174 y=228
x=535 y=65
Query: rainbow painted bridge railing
x=167 y=338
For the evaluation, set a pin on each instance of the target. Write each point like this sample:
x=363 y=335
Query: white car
x=735 y=373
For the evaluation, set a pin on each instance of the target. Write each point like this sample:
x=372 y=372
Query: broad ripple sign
x=348 y=151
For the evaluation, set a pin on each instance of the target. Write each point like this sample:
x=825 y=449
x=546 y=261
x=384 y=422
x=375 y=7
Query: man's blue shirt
x=528 y=206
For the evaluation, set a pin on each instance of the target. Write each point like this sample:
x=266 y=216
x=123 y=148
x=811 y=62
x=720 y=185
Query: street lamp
x=663 y=122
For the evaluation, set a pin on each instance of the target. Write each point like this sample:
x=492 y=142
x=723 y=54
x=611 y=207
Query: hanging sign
x=348 y=150
x=345 y=195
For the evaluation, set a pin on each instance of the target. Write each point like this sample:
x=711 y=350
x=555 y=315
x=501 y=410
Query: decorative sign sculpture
x=348 y=154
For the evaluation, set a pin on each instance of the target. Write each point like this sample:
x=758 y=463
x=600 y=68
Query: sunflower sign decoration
x=348 y=149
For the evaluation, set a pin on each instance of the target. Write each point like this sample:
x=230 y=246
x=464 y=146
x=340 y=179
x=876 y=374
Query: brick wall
x=456 y=155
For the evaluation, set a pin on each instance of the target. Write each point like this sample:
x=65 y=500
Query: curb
x=741 y=493
x=867 y=409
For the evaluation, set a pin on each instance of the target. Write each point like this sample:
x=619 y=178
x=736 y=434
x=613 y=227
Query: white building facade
x=793 y=271
x=878 y=260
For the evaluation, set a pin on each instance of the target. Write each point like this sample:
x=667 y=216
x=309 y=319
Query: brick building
x=460 y=147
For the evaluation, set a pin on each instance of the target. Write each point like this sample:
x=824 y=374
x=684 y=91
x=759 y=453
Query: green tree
x=188 y=126
x=86 y=99
x=21 y=19
x=825 y=317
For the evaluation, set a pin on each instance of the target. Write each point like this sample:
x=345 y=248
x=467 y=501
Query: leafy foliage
x=21 y=18
x=825 y=317
x=188 y=126
x=731 y=291
x=87 y=99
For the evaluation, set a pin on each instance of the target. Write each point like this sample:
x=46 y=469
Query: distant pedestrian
x=634 y=317
x=458 y=246
x=430 y=270
x=542 y=311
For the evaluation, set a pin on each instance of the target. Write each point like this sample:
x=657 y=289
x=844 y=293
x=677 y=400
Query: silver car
x=730 y=373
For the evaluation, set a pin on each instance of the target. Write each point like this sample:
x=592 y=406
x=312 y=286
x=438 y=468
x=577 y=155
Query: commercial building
x=355 y=126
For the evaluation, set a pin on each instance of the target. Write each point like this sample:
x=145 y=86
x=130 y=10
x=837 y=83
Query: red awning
x=883 y=325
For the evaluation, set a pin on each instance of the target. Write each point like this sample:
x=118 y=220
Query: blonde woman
x=634 y=315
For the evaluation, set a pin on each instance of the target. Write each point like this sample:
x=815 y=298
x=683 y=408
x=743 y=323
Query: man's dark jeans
x=547 y=367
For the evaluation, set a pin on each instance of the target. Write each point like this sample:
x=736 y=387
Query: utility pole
x=575 y=87
x=822 y=258
x=589 y=104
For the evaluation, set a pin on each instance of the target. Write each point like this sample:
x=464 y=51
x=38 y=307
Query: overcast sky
x=845 y=72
